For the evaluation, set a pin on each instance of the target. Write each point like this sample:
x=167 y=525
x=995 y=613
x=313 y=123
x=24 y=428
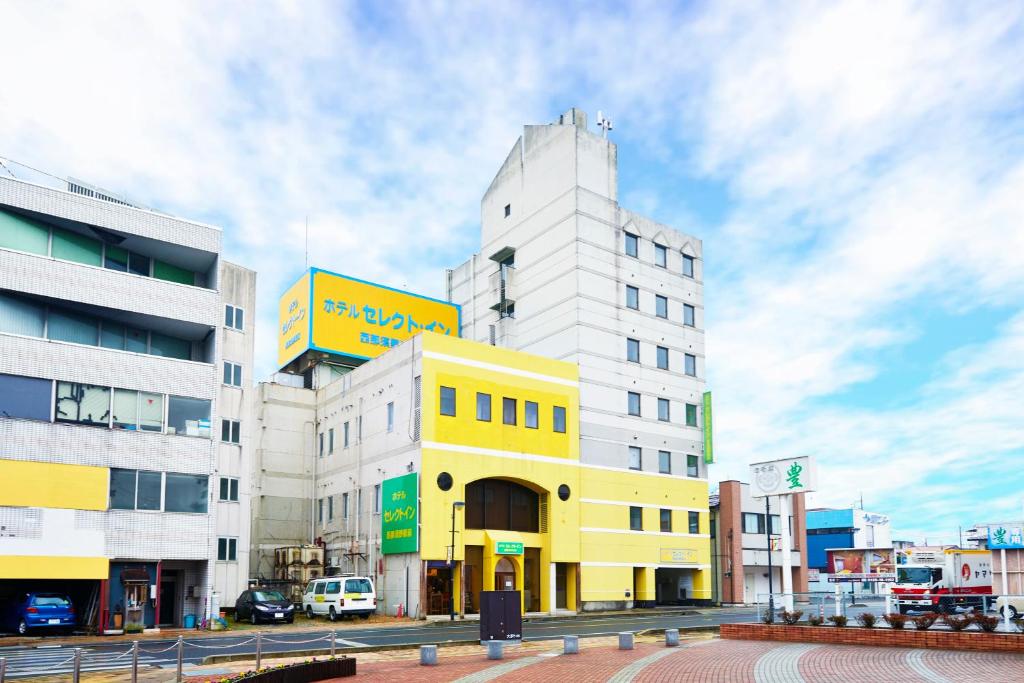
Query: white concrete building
x=112 y=332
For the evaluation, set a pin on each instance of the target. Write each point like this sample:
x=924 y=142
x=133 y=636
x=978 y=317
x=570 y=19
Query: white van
x=339 y=596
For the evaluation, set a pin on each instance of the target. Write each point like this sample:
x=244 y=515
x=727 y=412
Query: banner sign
x=862 y=578
x=508 y=548
x=1005 y=537
x=399 y=518
x=709 y=446
x=779 y=477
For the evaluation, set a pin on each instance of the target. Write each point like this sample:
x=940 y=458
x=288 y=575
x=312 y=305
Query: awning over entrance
x=52 y=567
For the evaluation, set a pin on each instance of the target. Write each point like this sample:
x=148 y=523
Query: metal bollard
x=626 y=640
x=77 y=673
x=135 y=661
x=428 y=655
x=570 y=645
x=334 y=639
x=259 y=648
x=671 y=637
x=181 y=657
x=495 y=649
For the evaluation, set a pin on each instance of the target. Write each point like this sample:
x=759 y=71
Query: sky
x=855 y=171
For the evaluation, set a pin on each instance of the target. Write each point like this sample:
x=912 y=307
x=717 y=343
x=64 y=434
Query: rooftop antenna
x=604 y=124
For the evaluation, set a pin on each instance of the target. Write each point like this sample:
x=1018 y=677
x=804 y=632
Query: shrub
x=838 y=620
x=986 y=622
x=815 y=620
x=896 y=620
x=925 y=621
x=768 y=617
x=957 y=622
x=867 y=619
x=791 y=618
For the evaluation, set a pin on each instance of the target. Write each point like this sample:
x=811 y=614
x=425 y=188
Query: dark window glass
x=172 y=347
x=222 y=549
x=530 y=408
x=633 y=350
x=447 y=401
x=508 y=411
x=483 y=407
x=632 y=242
x=358 y=586
x=665 y=462
x=116 y=259
x=223 y=488
x=636 y=518
x=688 y=315
x=632 y=297
x=563 y=492
x=330 y=440
x=634 y=403
x=20 y=316
x=122 y=489
x=138 y=264
x=188 y=416
x=112 y=336
x=501 y=505
x=662 y=358
x=26 y=397
x=663 y=410
x=687 y=265
x=660 y=255
x=136 y=340
x=752 y=523
x=233 y=493
x=694 y=519
x=660 y=306
x=149 y=486
x=72 y=327
x=691 y=415
x=186 y=493
x=666 y=520
x=83 y=403
x=558 y=418
x=692 y=466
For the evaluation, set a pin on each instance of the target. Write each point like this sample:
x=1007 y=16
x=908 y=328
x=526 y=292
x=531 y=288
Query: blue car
x=27 y=612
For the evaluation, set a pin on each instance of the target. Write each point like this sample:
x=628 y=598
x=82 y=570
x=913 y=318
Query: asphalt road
x=105 y=655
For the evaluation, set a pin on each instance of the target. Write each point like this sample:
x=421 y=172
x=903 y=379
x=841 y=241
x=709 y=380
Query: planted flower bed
x=302 y=672
x=966 y=632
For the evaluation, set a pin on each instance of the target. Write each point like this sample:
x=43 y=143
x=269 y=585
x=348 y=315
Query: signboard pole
x=787 y=557
x=1006 y=590
x=768 y=537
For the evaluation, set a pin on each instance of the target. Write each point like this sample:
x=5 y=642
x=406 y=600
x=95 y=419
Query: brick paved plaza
x=709 y=661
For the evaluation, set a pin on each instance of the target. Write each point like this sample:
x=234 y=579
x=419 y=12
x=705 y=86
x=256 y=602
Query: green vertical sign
x=709 y=447
x=399 y=519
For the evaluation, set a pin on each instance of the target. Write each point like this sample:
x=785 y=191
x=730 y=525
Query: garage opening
x=673 y=586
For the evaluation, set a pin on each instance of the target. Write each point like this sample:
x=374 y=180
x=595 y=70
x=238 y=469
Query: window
x=126 y=409
x=687 y=265
x=359 y=429
x=503 y=505
x=228 y=489
x=227 y=549
x=660 y=306
x=694 y=522
x=188 y=416
x=391 y=416
x=633 y=350
x=660 y=255
x=230 y=431
x=508 y=411
x=232 y=374
x=20 y=316
x=234 y=317
x=665 y=462
x=483 y=407
x=71 y=246
x=186 y=493
x=691 y=364
x=25 y=397
x=321 y=446
x=333 y=588
x=508 y=210
x=632 y=244
x=663 y=409
x=83 y=403
x=753 y=523
x=135 y=490
x=688 y=315
x=558 y=419
x=635 y=458
x=151 y=412
x=633 y=403
x=330 y=508
x=666 y=521
x=632 y=297
x=344 y=435
x=662 y=358
x=172 y=347
x=376 y=498
x=530 y=408
x=692 y=466
x=320 y=510
x=23 y=234
x=691 y=415
x=447 y=401
x=636 y=518
x=330 y=440
x=72 y=327
x=344 y=506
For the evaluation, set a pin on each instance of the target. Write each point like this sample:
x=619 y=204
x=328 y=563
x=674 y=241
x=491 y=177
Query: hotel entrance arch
x=504 y=575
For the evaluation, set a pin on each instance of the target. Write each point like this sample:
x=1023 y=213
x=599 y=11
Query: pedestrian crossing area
x=25 y=662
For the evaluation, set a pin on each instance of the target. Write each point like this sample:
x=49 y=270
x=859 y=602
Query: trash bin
x=190 y=621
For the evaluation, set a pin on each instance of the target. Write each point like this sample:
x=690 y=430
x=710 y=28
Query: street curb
x=341 y=650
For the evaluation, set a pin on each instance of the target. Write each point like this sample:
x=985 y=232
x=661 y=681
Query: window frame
x=452 y=398
x=636 y=518
x=665 y=462
x=689 y=315
x=689 y=264
x=661 y=306
x=664 y=525
x=635 y=242
x=630 y=397
x=691 y=416
x=390 y=408
x=483 y=405
x=689 y=363
x=758 y=522
x=636 y=458
x=660 y=254
x=507 y=401
x=694 y=460
x=227 y=549
x=635 y=293
x=693 y=522
x=632 y=345
x=233 y=323
x=664 y=410
x=535 y=414
x=662 y=355
x=230 y=484
x=232 y=375
x=558 y=417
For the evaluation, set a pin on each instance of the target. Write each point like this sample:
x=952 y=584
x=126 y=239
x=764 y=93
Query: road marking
x=350 y=643
x=781 y=664
x=493 y=672
x=915 y=660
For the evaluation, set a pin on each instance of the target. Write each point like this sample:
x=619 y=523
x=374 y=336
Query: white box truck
x=942 y=580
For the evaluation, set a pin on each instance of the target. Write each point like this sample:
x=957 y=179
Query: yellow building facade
x=500 y=424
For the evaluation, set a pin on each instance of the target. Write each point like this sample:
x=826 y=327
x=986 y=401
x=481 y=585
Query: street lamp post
x=451 y=560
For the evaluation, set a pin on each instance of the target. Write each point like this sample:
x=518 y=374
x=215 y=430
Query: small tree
x=925 y=621
x=957 y=622
x=987 y=622
x=815 y=620
x=896 y=620
x=791 y=618
x=838 y=620
x=867 y=619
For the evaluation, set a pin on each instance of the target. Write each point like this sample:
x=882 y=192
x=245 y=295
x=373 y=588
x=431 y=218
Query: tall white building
x=115 y=323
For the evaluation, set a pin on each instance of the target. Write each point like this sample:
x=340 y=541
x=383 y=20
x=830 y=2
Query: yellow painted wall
x=52 y=567
x=293 y=317
x=53 y=485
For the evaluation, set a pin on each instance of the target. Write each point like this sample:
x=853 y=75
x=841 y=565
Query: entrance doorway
x=561 y=586
x=505 y=575
x=439 y=589
x=168 y=598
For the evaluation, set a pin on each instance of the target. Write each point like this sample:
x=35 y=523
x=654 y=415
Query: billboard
x=1005 y=536
x=341 y=315
x=399 y=519
x=779 y=477
x=860 y=562
x=709 y=446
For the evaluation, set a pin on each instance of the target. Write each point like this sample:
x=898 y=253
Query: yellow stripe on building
x=53 y=485
x=52 y=567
